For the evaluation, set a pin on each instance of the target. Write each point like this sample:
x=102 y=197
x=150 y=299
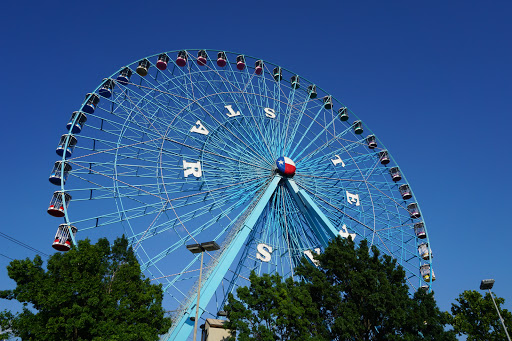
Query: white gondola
x=424 y=251
x=63 y=240
x=57 y=204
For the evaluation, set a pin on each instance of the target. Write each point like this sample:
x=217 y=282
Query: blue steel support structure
x=185 y=326
x=322 y=227
x=315 y=217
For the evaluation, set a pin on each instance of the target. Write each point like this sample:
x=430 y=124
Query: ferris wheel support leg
x=184 y=327
x=322 y=226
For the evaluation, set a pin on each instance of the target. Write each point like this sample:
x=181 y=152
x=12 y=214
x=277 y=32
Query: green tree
x=353 y=294
x=427 y=320
x=475 y=316
x=273 y=309
x=96 y=292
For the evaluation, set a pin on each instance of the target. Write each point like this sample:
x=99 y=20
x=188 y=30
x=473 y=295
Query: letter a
x=231 y=113
x=199 y=128
x=344 y=233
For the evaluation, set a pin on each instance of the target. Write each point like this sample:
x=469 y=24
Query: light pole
x=201 y=248
x=487 y=284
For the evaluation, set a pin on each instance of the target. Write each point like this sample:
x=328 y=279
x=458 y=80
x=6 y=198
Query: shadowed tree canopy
x=353 y=294
x=96 y=292
x=476 y=317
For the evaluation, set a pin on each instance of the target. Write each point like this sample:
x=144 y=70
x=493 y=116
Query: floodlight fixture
x=486 y=284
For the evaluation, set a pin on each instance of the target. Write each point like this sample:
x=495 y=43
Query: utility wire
x=20 y=243
x=6 y=256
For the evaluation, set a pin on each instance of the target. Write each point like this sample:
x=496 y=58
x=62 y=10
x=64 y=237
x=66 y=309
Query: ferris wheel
x=243 y=160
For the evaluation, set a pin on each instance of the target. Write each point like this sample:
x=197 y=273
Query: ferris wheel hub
x=285 y=166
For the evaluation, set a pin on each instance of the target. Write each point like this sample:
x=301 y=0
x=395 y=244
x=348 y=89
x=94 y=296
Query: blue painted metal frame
x=322 y=227
x=313 y=214
x=185 y=326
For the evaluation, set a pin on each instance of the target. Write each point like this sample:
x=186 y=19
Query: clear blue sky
x=431 y=79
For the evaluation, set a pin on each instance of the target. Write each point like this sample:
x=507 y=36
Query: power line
x=20 y=243
x=6 y=256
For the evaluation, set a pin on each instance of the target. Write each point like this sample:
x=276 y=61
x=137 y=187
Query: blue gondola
x=76 y=122
x=107 y=88
x=92 y=101
x=62 y=145
x=124 y=76
x=59 y=173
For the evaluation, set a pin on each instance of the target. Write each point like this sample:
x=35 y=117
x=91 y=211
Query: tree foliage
x=272 y=307
x=354 y=294
x=476 y=317
x=96 y=292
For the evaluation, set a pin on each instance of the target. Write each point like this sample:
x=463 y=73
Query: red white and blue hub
x=285 y=166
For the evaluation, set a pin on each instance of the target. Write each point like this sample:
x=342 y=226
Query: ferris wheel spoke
x=162 y=123
x=298 y=144
x=332 y=208
x=295 y=126
x=198 y=229
x=313 y=154
x=327 y=141
x=234 y=100
x=376 y=217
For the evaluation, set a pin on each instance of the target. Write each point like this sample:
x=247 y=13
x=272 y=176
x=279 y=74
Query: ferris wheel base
x=322 y=227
